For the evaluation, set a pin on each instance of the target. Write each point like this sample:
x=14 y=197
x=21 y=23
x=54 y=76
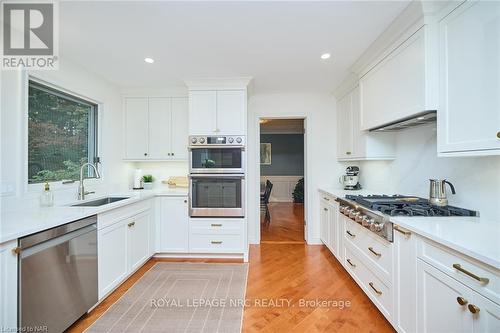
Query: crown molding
x=222 y=83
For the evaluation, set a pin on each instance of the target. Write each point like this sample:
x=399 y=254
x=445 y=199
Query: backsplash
x=159 y=170
x=476 y=179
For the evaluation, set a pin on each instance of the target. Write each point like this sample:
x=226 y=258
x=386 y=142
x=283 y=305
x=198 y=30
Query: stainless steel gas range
x=374 y=211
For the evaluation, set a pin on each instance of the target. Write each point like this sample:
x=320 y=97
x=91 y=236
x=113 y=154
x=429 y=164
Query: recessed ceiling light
x=325 y=56
x=149 y=60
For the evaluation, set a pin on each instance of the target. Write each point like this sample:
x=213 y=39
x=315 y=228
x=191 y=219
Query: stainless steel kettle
x=437 y=192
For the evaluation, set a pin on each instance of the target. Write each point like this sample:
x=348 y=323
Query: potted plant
x=298 y=192
x=148 y=181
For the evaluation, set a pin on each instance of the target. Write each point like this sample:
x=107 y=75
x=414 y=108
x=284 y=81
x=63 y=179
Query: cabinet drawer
x=215 y=243
x=461 y=268
x=376 y=251
x=221 y=226
x=379 y=292
x=112 y=216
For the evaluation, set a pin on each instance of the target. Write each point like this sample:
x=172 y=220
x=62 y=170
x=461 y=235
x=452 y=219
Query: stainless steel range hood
x=417 y=119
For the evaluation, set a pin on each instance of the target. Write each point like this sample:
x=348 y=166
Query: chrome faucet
x=81 y=189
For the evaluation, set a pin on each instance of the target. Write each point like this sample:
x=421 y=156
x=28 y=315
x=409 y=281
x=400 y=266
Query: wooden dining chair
x=264 y=201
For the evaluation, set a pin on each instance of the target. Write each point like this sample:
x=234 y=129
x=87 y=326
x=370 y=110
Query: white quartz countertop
x=475 y=237
x=20 y=223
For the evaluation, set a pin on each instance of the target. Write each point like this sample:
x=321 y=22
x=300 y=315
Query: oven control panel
x=233 y=140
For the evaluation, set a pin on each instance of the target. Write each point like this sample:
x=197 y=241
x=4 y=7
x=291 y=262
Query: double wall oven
x=217 y=176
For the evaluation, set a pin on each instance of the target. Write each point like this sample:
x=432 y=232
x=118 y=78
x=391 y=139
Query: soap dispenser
x=47 y=197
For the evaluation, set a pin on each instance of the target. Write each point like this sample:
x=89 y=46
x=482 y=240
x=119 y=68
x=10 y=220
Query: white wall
x=76 y=80
x=476 y=179
x=322 y=167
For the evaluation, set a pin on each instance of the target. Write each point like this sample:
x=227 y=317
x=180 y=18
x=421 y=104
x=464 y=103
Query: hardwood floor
x=286 y=226
x=286 y=273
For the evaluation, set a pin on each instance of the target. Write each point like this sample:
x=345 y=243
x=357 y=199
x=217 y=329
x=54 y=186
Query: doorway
x=282 y=180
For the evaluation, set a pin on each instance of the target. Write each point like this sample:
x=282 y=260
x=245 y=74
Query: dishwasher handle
x=57 y=241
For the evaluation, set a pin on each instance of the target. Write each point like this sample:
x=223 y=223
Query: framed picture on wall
x=265 y=153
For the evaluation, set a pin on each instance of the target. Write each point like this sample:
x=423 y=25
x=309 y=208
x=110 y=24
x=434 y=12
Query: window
x=62 y=134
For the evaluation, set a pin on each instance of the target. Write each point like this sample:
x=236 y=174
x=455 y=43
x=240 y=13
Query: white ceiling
x=277 y=43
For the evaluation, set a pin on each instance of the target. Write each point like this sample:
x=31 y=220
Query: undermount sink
x=99 y=202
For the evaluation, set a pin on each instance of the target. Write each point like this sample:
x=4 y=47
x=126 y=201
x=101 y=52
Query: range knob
x=378 y=226
x=359 y=218
x=239 y=140
x=353 y=213
x=202 y=140
x=366 y=221
x=231 y=140
x=194 y=140
x=347 y=211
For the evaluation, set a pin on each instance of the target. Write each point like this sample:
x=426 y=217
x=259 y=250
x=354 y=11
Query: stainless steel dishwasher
x=58 y=275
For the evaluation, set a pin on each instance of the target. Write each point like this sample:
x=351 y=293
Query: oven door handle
x=217 y=175
x=216 y=146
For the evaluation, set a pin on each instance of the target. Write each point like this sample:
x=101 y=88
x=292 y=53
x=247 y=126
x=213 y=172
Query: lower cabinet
x=8 y=287
x=217 y=235
x=123 y=246
x=174 y=225
x=324 y=219
x=329 y=224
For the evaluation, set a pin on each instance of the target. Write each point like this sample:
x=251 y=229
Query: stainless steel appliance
x=217 y=195
x=374 y=211
x=351 y=179
x=217 y=154
x=58 y=275
x=437 y=192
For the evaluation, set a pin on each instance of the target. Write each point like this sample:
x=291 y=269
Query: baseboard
x=201 y=255
x=314 y=241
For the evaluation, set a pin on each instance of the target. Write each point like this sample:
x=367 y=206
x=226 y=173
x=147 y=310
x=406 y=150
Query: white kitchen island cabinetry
x=123 y=241
x=355 y=144
x=329 y=224
x=469 y=113
x=156 y=128
x=215 y=112
x=8 y=286
x=173 y=225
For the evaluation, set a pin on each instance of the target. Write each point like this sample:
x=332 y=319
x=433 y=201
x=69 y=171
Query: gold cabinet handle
x=326 y=198
x=216 y=242
x=375 y=289
x=325 y=209
x=348 y=153
x=16 y=250
x=350 y=263
x=458 y=267
x=350 y=234
x=131 y=224
x=498 y=134
x=473 y=308
x=462 y=301
x=216 y=225
x=403 y=231
x=373 y=251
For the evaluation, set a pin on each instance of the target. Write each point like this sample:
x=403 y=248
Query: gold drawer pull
x=348 y=153
x=216 y=225
x=403 y=231
x=350 y=234
x=350 y=263
x=216 y=242
x=462 y=301
x=326 y=198
x=473 y=308
x=373 y=251
x=16 y=250
x=472 y=275
x=375 y=289
x=325 y=209
x=498 y=134
x=131 y=224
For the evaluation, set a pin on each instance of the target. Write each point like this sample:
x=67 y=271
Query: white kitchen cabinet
x=212 y=235
x=136 y=128
x=231 y=112
x=156 y=128
x=217 y=111
x=469 y=113
x=160 y=123
x=113 y=257
x=179 y=130
x=324 y=222
x=8 y=287
x=438 y=297
x=174 y=225
x=488 y=317
x=355 y=144
x=138 y=240
x=405 y=281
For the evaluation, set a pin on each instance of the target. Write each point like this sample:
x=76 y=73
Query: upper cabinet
x=469 y=53
x=156 y=128
x=217 y=112
x=354 y=143
x=400 y=85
